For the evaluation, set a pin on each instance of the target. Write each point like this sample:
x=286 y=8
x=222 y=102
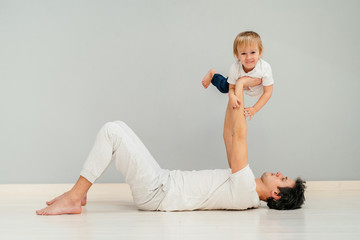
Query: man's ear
x=275 y=195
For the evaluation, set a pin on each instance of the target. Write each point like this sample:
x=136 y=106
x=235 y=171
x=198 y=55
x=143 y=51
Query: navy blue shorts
x=220 y=82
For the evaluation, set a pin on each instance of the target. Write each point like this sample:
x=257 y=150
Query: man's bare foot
x=65 y=204
x=83 y=199
x=207 y=79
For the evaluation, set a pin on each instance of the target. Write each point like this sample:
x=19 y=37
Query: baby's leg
x=220 y=82
x=251 y=82
x=207 y=79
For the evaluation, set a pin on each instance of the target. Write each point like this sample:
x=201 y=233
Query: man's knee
x=114 y=127
x=113 y=124
x=120 y=123
x=110 y=125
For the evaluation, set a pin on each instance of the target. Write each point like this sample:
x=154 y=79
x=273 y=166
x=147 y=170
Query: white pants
x=116 y=141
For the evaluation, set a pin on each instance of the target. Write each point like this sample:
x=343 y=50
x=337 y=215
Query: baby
x=259 y=82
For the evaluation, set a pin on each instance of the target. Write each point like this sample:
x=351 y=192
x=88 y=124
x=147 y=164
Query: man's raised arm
x=239 y=158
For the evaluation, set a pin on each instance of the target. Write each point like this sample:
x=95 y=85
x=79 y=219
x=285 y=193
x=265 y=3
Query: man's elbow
x=240 y=133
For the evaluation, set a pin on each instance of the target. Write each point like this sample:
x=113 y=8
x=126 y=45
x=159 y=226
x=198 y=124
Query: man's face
x=274 y=180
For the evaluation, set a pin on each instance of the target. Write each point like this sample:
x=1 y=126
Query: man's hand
x=234 y=101
x=249 y=112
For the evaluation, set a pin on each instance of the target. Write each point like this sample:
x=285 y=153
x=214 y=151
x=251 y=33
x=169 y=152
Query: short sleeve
x=241 y=171
x=267 y=78
x=243 y=179
x=243 y=189
x=232 y=74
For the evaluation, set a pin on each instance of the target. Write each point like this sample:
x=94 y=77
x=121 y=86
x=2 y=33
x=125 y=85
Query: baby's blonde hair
x=247 y=38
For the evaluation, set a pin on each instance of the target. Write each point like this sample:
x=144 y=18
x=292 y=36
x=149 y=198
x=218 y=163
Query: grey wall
x=68 y=67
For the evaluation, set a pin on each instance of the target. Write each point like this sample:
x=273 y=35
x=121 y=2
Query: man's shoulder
x=245 y=172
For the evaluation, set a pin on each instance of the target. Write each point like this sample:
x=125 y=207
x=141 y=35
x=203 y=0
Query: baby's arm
x=250 y=111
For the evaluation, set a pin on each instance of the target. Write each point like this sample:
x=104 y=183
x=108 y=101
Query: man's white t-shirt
x=261 y=70
x=210 y=189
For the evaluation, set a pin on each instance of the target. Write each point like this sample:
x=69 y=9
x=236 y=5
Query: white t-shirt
x=261 y=70
x=211 y=189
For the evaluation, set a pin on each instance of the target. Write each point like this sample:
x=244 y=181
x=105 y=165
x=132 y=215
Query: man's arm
x=238 y=156
x=227 y=134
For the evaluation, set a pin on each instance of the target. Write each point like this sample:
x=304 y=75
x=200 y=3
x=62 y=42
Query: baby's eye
x=242 y=53
x=253 y=52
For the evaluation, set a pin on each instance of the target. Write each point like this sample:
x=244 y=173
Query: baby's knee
x=258 y=81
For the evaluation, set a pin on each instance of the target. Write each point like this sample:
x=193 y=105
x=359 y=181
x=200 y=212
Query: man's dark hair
x=291 y=198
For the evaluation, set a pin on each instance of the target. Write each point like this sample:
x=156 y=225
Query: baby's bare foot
x=83 y=199
x=64 y=205
x=207 y=79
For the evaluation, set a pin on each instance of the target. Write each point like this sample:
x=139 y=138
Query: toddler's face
x=248 y=56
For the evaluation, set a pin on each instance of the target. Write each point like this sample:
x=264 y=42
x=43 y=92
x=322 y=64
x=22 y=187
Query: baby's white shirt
x=261 y=70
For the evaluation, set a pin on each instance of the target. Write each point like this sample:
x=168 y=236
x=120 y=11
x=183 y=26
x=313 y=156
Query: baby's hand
x=234 y=101
x=250 y=112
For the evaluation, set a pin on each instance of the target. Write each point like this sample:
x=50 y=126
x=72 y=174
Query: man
x=159 y=189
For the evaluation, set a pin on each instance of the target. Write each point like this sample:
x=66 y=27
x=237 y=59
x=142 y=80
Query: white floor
x=332 y=211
